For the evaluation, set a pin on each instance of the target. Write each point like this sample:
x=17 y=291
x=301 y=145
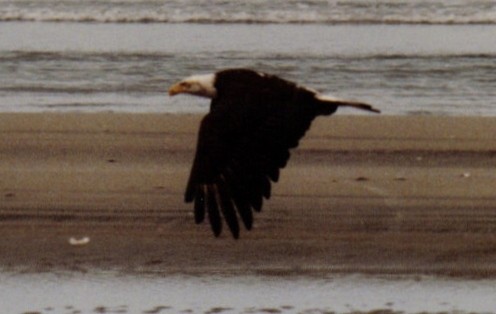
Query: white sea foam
x=278 y=11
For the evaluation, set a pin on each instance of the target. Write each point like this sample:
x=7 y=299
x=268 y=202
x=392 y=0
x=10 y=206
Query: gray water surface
x=107 y=292
x=128 y=67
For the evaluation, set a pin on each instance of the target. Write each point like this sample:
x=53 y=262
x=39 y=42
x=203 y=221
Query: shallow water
x=401 y=69
x=116 y=293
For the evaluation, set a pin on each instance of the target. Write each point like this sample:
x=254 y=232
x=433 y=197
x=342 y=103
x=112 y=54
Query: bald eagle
x=254 y=120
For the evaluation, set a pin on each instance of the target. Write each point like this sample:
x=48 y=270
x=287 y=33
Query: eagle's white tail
x=346 y=103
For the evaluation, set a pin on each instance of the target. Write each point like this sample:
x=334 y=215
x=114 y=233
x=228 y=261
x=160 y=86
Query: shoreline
x=395 y=195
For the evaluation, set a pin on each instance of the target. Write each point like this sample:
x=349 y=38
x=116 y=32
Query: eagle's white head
x=198 y=85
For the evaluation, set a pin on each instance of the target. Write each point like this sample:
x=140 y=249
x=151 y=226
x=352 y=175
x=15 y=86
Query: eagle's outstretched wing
x=243 y=143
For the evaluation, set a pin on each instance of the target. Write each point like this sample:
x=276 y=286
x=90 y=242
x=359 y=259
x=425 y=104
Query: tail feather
x=358 y=105
x=347 y=103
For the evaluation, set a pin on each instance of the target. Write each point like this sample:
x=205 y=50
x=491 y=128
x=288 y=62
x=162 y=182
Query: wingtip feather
x=213 y=211
x=227 y=207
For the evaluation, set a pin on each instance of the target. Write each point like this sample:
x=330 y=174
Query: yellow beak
x=176 y=89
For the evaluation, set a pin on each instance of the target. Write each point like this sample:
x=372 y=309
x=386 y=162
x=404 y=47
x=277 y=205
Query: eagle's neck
x=206 y=83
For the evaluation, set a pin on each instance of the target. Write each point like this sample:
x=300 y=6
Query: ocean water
x=111 y=293
x=404 y=57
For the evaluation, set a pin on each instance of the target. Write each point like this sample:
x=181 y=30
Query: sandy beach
x=368 y=194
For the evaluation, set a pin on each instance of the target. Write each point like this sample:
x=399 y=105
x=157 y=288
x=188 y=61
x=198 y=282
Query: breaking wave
x=254 y=12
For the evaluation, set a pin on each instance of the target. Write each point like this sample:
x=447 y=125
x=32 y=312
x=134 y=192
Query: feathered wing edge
x=232 y=193
x=223 y=187
x=225 y=184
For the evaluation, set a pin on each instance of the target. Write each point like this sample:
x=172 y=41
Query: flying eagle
x=254 y=120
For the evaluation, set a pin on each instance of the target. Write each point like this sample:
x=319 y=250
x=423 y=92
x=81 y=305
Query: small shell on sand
x=79 y=241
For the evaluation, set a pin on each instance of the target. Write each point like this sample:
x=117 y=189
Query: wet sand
x=368 y=194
